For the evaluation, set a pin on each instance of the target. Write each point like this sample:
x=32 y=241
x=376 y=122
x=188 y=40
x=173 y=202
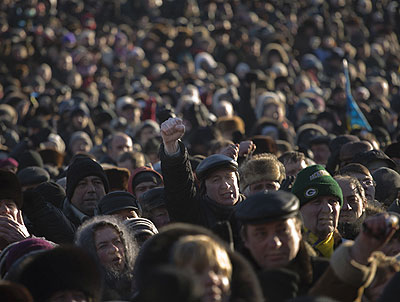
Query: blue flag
x=355 y=118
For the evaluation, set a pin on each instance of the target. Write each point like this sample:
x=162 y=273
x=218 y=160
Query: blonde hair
x=201 y=252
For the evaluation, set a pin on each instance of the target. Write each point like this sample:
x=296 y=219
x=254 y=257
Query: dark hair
x=353 y=181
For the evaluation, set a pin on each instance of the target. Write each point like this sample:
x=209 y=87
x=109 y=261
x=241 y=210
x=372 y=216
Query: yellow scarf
x=325 y=247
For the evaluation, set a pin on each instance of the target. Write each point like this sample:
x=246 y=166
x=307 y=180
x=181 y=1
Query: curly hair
x=85 y=234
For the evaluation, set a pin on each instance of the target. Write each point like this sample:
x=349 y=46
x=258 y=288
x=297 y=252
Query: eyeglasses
x=369 y=182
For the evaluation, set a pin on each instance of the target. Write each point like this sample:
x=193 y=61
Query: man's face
x=119 y=145
x=321 y=153
x=321 y=215
x=222 y=187
x=131 y=114
x=263 y=185
x=294 y=167
x=9 y=209
x=87 y=194
x=353 y=203
x=160 y=216
x=368 y=184
x=143 y=187
x=109 y=248
x=273 y=244
x=146 y=134
x=80 y=145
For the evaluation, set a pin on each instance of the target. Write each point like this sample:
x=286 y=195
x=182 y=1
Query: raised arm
x=179 y=182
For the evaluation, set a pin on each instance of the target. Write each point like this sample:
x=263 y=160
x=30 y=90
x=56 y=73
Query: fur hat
x=81 y=168
x=117 y=177
x=265 y=166
x=230 y=123
x=61 y=268
x=315 y=181
x=52 y=157
x=10 y=187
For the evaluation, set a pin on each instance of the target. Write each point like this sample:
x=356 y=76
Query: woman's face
x=215 y=282
x=110 y=248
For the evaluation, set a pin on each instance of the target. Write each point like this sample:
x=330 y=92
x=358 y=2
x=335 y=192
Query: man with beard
x=320 y=201
x=109 y=242
x=353 y=211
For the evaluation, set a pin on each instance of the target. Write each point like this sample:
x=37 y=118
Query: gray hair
x=84 y=238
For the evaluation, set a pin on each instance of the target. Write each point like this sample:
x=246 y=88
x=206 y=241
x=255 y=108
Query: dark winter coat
x=184 y=200
x=46 y=220
x=294 y=280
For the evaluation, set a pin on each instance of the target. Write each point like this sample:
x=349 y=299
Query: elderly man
x=118 y=144
x=86 y=185
x=12 y=226
x=218 y=194
x=271 y=233
x=320 y=201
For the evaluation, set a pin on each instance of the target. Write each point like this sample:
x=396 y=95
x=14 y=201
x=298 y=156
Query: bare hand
x=246 y=148
x=231 y=151
x=171 y=131
x=375 y=233
x=12 y=231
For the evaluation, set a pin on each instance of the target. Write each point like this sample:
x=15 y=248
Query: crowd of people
x=199 y=150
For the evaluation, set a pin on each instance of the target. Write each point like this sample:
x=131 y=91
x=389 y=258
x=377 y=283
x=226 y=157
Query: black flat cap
x=152 y=199
x=367 y=157
x=115 y=201
x=267 y=206
x=214 y=162
x=33 y=176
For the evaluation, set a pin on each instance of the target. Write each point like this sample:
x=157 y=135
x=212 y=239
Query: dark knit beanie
x=315 y=181
x=81 y=168
x=146 y=176
x=10 y=188
x=52 y=193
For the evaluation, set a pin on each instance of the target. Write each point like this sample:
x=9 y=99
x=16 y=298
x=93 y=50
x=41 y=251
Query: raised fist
x=171 y=131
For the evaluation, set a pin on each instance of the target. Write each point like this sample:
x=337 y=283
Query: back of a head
x=387 y=185
x=60 y=269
